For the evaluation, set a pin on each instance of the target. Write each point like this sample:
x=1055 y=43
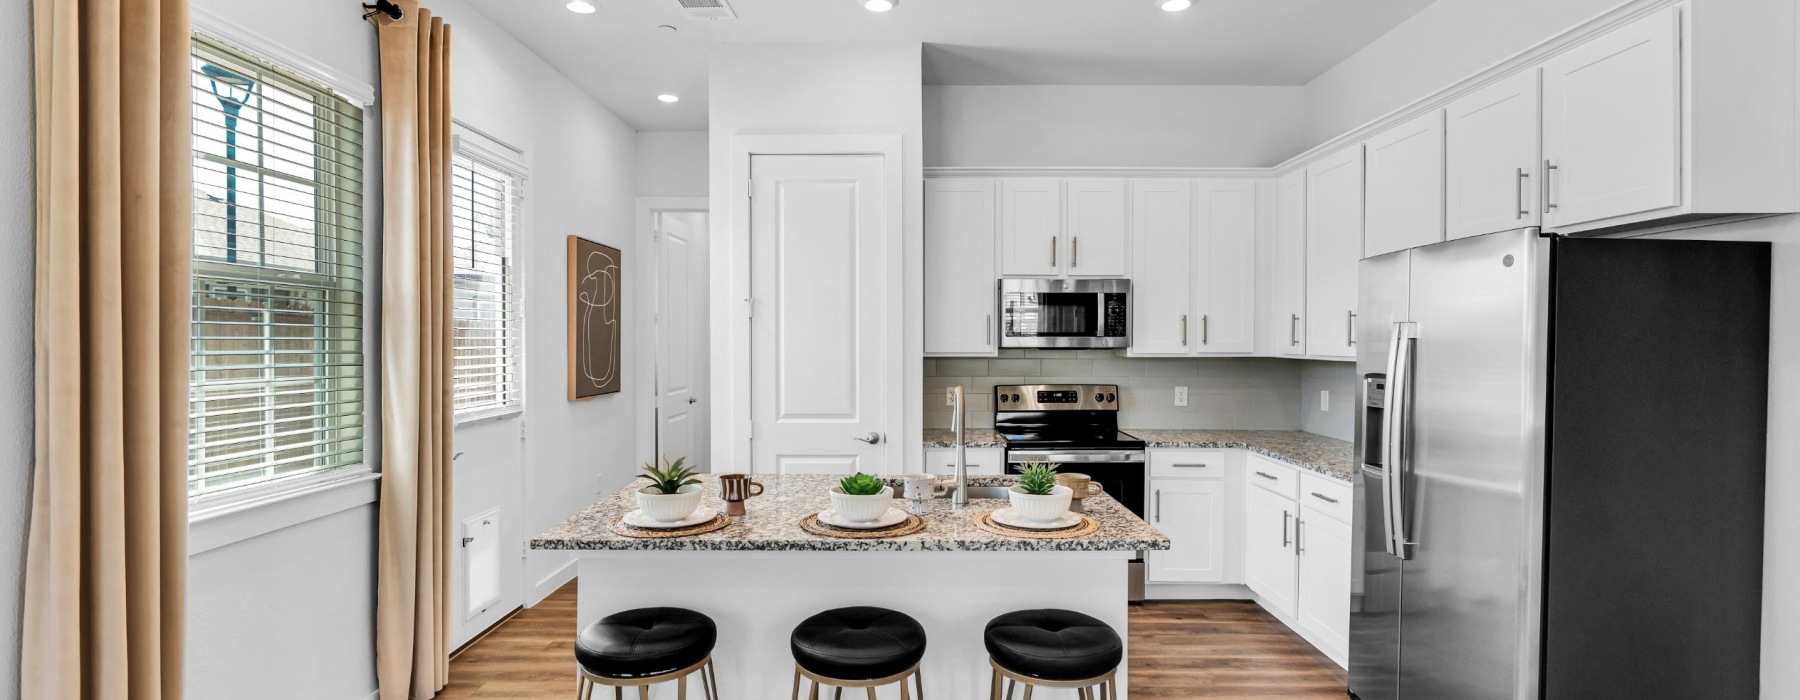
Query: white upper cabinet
x=1289 y=307
x=1612 y=129
x=1031 y=236
x=1334 y=241
x=1226 y=286
x=1097 y=224
x=1162 y=225
x=1405 y=186
x=1491 y=158
x=961 y=236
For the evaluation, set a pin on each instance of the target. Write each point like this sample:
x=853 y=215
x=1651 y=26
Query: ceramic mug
x=1082 y=485
x=735 y=489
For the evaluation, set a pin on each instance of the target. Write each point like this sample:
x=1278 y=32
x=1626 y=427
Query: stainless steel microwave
x=1065 y=313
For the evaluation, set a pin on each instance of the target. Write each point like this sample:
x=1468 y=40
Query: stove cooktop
x=1116 y=440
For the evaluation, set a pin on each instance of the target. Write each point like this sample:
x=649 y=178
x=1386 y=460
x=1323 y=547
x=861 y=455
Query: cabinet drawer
x=1326 y=496
x=1204 y=464
x=1273 y=476
x=986 y=461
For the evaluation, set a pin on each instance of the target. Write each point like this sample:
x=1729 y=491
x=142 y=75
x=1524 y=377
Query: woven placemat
x=1087 y=526
x=717 y=523
x=909 y=526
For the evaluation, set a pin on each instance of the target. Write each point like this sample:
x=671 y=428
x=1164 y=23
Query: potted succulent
x=860 y=498
x=1037 y=497
x=673 y=493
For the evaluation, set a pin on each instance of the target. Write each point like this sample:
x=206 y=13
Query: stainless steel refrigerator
x=1561 y=490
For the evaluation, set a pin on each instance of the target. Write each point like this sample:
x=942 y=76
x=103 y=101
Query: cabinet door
x=1226 y=238
x=1030 y=227
x=1192 y=513
x=1612 y=123
x=1162 y=290
x=1491 y=158
x=1334 y=231
x=961 y=235
x=1324 y=545
x=1405 y=186
x=1289 y=321
x=1269 y=549
x=1097 y=226
x=983 y=461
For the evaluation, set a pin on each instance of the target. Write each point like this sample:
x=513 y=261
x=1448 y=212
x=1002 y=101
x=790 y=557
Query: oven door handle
x=1086 y=456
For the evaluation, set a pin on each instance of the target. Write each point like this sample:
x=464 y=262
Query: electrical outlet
x=1325 y=400
x=1181 y=396
x=950 y=396
x=600 y=483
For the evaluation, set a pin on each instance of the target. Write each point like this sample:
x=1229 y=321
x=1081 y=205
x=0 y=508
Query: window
x=485 y=325
x=276 y=366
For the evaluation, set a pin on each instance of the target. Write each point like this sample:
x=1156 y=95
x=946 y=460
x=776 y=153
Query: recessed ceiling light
x=1174 y=5
x=666 y=97
x=582 y=7
x=879 y=5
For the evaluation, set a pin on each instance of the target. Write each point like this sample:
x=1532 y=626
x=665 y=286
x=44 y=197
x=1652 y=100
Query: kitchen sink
x=987 y=491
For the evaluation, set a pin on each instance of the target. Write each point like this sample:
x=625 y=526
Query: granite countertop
x=773 y=524
x=972 y=437
x=1317 y=453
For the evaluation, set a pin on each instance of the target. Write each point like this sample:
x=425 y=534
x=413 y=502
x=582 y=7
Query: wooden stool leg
x=712 y=674
x=581 y=684
x=618 y=692
x=681 y=688
x=796 y=683
x=815 y=690
x=919 y=680
x=1010 y=684
x=644 y=693
x=837 y=693
x=1027 y=691
x=903 y=694
x=995 y=693
x=872 y=691
x=1112 y=688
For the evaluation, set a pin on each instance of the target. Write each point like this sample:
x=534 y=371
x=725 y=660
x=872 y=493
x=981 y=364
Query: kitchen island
x=763 y=574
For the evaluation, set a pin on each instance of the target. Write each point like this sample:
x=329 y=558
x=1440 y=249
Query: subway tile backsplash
x=1248 y=393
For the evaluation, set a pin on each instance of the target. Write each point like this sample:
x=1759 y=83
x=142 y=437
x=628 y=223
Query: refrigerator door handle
x=1394 y=435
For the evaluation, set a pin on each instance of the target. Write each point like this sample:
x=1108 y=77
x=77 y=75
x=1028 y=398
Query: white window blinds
x=486 y=349
x=276 y=380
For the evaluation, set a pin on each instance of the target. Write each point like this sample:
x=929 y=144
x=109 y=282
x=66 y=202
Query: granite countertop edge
x=1326 y=456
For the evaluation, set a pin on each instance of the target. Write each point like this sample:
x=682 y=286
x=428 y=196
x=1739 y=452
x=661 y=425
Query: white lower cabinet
x=1192 y=513
x=983 y=461
x=1269 y=567
x=1323 y=544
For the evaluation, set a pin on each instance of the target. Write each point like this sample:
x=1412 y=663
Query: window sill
x=232 y=518
x=490 y=414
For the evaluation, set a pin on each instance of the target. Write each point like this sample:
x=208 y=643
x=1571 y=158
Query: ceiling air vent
x=707 y=9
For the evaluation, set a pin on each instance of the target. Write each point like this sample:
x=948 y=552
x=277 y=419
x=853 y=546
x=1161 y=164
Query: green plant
x=1037 y=479
x=671 y=477
x=860 y=484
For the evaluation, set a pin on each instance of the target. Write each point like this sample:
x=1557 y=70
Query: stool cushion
x=858 y=644
x=1057 y=645
x=645 y=642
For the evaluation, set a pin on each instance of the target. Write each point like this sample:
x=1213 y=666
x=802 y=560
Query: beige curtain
x=412 y=644
x=107 y=553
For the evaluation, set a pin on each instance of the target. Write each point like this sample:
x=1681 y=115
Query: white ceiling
x=621 y=57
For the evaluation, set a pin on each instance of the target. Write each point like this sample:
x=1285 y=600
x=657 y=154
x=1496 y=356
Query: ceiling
x=622 y=57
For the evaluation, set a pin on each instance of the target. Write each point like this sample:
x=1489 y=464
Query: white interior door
x=680 y=333
x=818 y=314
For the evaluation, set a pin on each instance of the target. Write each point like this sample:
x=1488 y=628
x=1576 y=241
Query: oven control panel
x=1057 y=397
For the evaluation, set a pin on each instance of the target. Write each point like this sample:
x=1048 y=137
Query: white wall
x=16 y=282
x=1112 y=125
x=811 y=89
x=1443 y=43
x=671 y=163
x=1338 y=378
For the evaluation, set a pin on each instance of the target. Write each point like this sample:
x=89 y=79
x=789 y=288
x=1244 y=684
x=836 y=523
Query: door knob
x=871 y=438
x=693 y=400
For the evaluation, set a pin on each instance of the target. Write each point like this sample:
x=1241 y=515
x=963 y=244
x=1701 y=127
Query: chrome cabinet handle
x=1074 y=251
x=1189 y=466
x=1205 y=329
x=1159 y=505
x=1266 y=476
x=1293 y=329
x=1053 y=251
x=1184 y=330
x=1519 y=194
x=1350 y=328
x=987 y=334
x=1324 y=497
x=1299 y=539
x=1285 y=540
x=1550 y=185
x=871 y=438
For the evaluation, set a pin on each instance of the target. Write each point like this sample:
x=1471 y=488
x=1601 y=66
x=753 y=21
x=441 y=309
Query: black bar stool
x=645 y=646
x=1053 y=649
x=858 y=647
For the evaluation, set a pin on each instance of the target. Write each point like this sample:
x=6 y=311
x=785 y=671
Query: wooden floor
x=1211 y=649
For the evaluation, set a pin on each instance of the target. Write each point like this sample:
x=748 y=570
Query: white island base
x=757 y=597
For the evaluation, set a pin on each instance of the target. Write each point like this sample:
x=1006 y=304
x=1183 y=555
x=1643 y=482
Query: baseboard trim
x=1196 y=591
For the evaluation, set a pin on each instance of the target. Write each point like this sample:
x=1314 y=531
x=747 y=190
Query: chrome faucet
x=961 y=496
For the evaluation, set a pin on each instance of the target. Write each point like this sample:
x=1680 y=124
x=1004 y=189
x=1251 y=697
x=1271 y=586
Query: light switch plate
x=1325 y=400
x=1181 y=396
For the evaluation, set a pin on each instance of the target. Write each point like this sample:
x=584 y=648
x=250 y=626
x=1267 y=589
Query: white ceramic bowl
x=1040 y=509
x=669 y=507
x=861 y=509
